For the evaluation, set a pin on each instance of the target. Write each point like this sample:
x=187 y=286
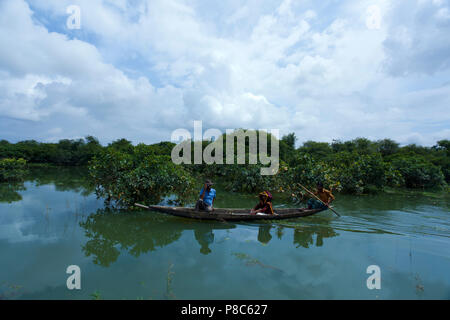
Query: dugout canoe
x=231 y=214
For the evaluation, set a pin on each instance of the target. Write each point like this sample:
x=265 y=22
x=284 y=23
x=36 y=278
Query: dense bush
x=347 y=172
x=355 y=166
x=64 y=153
x=419 y=173
x=127 y=178
x=360 y=173
x=12 y=170
x=361 y=166
x=72 y=152
x=248 y=178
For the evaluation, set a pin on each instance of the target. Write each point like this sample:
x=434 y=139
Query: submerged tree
x=126 y=178
x=12 y=170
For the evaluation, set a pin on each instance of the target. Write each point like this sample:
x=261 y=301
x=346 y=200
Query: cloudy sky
x=140 y=69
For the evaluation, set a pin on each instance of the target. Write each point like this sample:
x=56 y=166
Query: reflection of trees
x=136 y=233
x=9 y=192
x=109 y=232
x=305 y=236
x=63 y=178
x=280 y=232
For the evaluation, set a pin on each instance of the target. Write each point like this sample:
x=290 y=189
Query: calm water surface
x=54 y=220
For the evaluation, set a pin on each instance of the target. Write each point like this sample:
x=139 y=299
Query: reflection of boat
x=231 y=214
x=109 y=233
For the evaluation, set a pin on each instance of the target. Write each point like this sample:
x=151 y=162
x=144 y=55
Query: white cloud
x=417 y=41
x=144 y=69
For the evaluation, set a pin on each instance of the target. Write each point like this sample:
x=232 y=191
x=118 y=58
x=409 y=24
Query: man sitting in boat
x=207 y=196
x=325 y=195
x=265 y=204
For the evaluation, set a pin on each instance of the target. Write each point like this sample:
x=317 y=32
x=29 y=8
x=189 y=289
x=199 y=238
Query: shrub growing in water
x=360 y=173
x=127 y=178
x=419 y=173
x=12 y=170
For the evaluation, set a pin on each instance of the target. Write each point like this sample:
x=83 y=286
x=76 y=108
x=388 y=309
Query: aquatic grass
x=419 y=285
x=9 y=290
x=250 y=261
x=169 y=290
x=47 y=217
x=222 y=240
x=436 y=194
x=96 y=295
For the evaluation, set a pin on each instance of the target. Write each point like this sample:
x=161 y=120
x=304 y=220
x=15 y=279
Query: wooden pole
x=141 y=206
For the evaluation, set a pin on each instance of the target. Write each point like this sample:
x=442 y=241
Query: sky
x=140 y=69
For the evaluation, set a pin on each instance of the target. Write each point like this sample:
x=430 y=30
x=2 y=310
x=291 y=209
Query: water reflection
x=63 y=178
x=205 y=237
x=109 y=232
x=408 y=235
x=264 y=235
x=304 y=237
x=9 y=192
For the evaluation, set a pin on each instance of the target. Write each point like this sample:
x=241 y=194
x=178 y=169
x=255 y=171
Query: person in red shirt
x=264 y=205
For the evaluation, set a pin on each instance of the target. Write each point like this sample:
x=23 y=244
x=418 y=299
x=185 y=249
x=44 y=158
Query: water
x=54 y=220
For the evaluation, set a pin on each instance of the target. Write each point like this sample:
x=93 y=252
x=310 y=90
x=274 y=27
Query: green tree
x=387 y=147
x=12 y=170
x=289 y=139
x=122 y=145
x=419 y=173
x=125 y=178
x=317 y=150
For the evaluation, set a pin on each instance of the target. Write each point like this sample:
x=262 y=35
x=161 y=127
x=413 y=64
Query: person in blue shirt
x=207 y=196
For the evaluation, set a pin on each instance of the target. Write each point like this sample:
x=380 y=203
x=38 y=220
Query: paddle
x=319 y=200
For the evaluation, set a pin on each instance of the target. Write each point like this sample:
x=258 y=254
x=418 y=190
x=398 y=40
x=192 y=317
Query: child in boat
x=265 y=204
x=207 y=196
x=325 y=195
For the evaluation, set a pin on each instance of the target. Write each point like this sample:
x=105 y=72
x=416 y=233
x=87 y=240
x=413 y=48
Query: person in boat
x=325 y=195
x=207 y=196
x=264 y=205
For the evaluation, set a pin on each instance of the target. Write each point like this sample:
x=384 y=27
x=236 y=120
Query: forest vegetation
x=124 y=173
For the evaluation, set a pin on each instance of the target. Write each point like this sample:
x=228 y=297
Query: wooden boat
x=231 y=214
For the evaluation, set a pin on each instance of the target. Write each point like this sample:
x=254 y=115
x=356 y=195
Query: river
x=54 y=220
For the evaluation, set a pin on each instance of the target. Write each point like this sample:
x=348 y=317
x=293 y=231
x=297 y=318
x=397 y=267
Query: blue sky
x=141 y=69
